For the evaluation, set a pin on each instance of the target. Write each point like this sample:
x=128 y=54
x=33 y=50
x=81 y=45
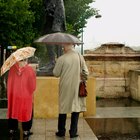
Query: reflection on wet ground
x=114 y=125
x=118 y=102
x=44 y=129
x=116 y=119
x=119 y=137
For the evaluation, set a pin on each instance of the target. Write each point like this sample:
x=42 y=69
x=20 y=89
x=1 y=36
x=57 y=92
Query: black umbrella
x=58 y=39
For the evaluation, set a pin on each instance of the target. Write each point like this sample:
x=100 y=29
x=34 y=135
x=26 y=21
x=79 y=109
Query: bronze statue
x=54 y=16
x=54 y=22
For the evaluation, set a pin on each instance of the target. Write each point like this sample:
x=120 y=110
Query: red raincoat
x=20 y=88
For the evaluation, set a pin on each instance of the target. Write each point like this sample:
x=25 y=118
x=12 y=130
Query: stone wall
x=134 y=84
x=110 y=64
x=46 y=98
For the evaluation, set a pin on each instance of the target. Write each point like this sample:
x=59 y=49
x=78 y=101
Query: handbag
x=82 y=89
x=82 y=86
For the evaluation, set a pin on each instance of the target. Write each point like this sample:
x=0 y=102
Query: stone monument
x=54 y=22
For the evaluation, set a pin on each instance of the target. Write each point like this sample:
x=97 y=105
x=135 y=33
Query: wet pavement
x=44 y=129
x=116 y=119
x=119 y=137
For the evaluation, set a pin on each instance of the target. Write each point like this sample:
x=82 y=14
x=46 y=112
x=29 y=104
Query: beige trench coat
x=68 y=69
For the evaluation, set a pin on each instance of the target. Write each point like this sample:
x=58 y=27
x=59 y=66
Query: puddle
x=114 y=125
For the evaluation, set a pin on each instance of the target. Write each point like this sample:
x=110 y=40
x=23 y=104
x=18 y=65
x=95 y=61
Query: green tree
x=77 y=14
x=21 y=21
x=37 y=7
x=16 y=23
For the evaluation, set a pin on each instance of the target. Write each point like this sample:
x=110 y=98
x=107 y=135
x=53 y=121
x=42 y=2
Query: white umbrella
x=16 y=56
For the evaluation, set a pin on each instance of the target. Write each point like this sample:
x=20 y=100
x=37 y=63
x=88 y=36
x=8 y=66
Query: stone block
x=46 y=97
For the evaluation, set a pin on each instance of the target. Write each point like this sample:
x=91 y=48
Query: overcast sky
x=120 y=22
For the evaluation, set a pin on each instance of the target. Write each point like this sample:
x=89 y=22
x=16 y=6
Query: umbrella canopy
x=16 y=56
x=58 y=39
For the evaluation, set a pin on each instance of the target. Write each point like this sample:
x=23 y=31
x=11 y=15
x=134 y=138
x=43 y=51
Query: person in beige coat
x=68 y=68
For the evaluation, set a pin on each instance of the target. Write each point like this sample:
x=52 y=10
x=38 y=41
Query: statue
x=54 y=16
x=54 y=22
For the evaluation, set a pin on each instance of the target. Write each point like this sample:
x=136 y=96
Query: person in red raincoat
x=20 y=88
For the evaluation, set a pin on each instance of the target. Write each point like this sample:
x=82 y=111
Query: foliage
x=16 y=22
x=22 y=20
x=36 y=6
x=77 y=13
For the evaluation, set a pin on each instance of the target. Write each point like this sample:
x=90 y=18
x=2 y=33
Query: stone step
x=122 y=120
x=117 y=112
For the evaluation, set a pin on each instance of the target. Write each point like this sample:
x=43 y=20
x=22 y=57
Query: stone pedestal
x=46 y=98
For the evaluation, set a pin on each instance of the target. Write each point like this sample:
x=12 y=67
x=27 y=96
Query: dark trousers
x=13 y=124
x=73 y=126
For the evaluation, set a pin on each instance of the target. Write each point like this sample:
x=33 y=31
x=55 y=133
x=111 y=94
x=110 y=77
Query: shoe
x=27 y=133
x=12 y=133
x=74 y=136
x=59 y=134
